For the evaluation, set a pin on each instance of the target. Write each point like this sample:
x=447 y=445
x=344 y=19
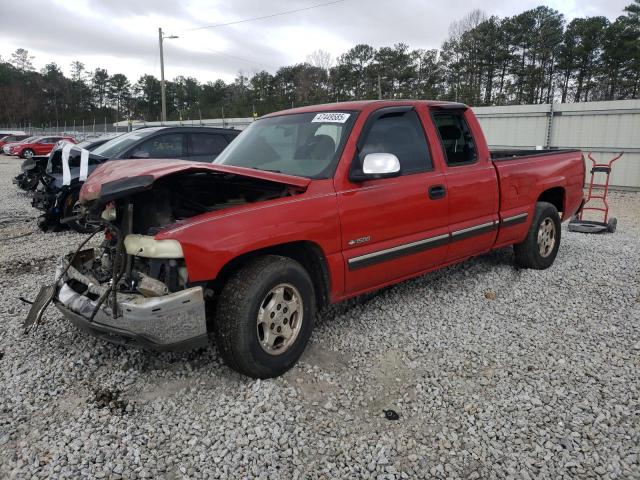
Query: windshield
x=303 y=144
x=28 y=140
x=119 y=144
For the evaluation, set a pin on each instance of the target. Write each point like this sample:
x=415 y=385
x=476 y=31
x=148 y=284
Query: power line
x=286 y=12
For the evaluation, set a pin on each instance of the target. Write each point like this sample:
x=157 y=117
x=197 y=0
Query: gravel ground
x=494 y=373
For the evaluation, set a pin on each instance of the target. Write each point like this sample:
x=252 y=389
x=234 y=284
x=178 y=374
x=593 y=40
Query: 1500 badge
x=360 y=240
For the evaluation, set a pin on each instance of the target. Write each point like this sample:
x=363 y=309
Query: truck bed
x=497 y=155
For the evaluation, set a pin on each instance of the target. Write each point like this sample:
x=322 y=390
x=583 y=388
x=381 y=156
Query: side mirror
x=376 y=165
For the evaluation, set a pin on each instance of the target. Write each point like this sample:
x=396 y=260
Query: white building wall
x=604 y=128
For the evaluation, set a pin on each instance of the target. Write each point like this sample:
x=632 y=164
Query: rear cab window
x=457 y=142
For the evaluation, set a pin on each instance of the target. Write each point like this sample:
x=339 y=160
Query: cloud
x=122 y=36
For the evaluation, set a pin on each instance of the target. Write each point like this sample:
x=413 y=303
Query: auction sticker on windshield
x=334 y=117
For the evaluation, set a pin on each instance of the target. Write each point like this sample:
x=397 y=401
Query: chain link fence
x=77 y=131
x=81 y=130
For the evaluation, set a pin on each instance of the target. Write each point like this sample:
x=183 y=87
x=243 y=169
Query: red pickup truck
x=307 y=207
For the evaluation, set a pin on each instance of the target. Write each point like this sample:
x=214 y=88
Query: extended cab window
x=162 y=146
x=455 y=136
x=399 y=133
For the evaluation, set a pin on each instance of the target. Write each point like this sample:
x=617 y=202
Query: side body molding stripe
x=431 y=242
x=473 y=231
x=515 y=219
x=399 y=251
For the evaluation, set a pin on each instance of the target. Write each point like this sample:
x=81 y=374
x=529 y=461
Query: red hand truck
x=577 y=224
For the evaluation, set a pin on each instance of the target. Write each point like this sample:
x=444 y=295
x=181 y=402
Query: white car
x=7 y=146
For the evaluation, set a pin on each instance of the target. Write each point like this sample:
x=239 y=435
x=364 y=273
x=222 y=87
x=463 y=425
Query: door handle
x=436 y=192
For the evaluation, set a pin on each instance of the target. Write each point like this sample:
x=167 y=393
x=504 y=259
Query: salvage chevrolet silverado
x=307 y=207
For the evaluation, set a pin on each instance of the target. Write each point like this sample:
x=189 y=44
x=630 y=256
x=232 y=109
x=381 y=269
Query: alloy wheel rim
x=546 y=237
x=279 y=319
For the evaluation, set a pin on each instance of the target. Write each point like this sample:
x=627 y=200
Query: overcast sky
x=122 y=36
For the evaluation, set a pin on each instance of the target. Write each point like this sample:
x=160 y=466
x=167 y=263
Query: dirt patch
x=164 y=389
x=110 y=399
x=328 y=360
x=490 y=295
x=24 y=267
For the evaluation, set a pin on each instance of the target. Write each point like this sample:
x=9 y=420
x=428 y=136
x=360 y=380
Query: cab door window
x=401 y=134
x=455 y=138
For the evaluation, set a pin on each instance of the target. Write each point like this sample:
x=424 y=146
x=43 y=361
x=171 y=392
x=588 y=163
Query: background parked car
x=58 y=196
x=4 y=139
x=6 y=148
x=39 y=147
x=33 y=168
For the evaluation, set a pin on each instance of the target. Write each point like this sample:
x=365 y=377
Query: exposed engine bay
x=185 y=195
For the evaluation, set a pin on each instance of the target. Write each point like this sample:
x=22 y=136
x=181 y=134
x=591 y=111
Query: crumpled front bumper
x=175 y=321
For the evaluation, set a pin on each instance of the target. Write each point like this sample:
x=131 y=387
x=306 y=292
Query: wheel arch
x=309 y=254
x=556 y=196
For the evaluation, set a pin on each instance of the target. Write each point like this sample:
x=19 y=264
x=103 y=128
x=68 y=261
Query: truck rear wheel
x=264 y=316
x=540 y=247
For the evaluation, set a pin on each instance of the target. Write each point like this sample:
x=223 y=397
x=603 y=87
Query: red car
x=307 y=207
x=39 y=147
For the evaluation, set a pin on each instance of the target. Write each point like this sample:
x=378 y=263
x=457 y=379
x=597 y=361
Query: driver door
x=394 y=227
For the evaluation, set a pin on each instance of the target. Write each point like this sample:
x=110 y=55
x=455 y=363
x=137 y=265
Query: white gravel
x=540 y=380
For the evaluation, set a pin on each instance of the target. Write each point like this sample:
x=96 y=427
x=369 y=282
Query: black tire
x=235 y=326
x=612 y=225
x=24 y=153
x=527 y=253
x=68 y=211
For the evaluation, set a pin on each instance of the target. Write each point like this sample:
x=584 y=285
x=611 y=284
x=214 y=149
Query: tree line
x=533 y=57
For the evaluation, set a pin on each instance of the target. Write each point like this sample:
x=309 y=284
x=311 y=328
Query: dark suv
x=58 y=193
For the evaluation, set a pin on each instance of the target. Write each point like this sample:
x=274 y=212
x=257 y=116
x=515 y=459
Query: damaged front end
x=129 y=289
x=141 y=308
x=133 y=287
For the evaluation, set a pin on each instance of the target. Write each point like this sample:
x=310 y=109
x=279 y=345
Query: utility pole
x=163 y=91
x=379 y=88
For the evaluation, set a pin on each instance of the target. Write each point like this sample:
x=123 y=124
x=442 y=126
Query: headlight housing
x=148 y=247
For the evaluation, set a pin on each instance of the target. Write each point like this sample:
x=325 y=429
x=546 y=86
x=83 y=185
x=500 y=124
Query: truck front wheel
x=264 y=316
x=540 y=247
